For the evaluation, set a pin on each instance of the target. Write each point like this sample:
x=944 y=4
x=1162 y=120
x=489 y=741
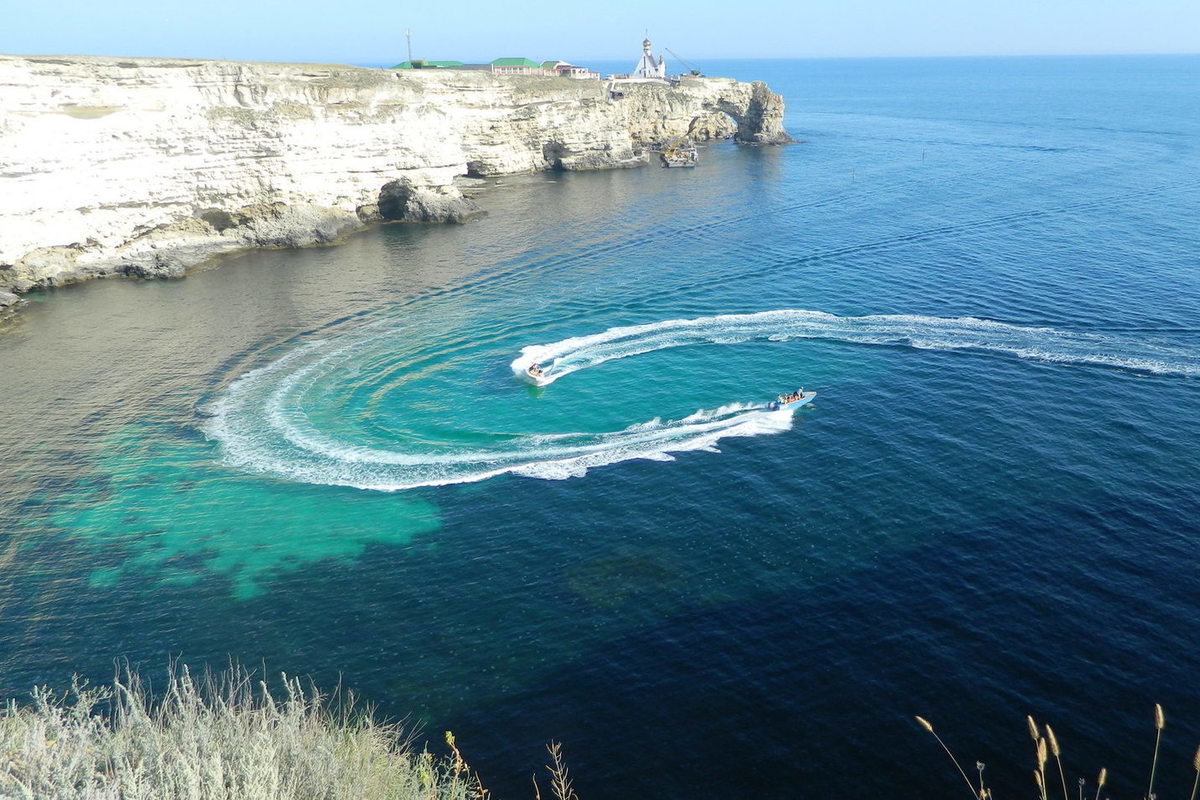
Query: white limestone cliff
x=148 y=166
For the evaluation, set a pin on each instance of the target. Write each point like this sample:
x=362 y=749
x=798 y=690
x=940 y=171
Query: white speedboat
x=535 y=375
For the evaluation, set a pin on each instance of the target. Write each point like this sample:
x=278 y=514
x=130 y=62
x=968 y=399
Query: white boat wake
x=267 y=420
x=559 y=359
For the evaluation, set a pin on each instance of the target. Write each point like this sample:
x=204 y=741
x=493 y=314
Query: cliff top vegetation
x=224 y=736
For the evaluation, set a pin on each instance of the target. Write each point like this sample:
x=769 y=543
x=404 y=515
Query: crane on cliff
x=691 y=69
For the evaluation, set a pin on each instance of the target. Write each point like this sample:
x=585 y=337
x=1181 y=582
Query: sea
x=324 y=462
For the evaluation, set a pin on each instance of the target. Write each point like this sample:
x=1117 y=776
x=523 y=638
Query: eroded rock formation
x=148 y=166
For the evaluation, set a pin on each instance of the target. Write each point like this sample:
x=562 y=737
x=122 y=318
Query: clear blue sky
x=372 y=31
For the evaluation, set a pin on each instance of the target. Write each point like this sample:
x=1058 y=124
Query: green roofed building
x=418 y=64
x=516 y=66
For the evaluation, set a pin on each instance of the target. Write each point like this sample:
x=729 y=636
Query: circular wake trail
x=262 y=425
x=302 y=417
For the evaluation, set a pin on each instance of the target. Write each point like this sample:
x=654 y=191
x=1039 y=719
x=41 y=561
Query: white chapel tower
x=647 y=67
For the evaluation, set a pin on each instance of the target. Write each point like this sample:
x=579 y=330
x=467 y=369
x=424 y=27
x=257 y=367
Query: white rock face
x=147 y=166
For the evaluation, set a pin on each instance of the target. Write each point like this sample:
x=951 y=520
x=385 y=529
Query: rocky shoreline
x=146 y=167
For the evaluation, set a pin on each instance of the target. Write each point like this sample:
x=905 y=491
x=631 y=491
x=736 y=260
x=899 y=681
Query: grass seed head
x=1159 y=720
x=1053 y=742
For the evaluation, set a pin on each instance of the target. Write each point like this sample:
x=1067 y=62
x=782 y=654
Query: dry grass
x=226 y=737
x=1047 y=745
x=560 y=780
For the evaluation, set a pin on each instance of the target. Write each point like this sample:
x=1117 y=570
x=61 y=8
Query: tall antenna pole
x=408 y=35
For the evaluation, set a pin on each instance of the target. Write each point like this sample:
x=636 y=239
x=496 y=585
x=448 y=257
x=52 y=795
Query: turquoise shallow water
x=988 y=269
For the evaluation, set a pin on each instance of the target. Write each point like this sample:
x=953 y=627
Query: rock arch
x=757 y=111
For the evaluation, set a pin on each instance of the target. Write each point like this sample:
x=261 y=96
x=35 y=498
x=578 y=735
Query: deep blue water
x=989 y=269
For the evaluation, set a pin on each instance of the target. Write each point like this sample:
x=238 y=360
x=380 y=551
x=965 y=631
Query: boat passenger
x=535 y=370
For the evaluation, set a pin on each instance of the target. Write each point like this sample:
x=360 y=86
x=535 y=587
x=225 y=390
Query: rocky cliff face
x=147 y=166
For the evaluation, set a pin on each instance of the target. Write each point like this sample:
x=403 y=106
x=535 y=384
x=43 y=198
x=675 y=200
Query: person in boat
x=535 y=370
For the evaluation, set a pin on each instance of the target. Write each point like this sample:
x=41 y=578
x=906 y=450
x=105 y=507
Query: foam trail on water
x=927 y=333
x=261 y=427
x=264 y=423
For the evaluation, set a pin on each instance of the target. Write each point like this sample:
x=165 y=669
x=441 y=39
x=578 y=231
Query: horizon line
x=624 y=58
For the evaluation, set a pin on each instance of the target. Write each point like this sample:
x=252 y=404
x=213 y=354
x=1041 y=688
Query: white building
x=568 y=71
x=647 y=67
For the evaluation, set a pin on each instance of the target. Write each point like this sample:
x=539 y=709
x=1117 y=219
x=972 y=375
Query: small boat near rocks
x=680 y=153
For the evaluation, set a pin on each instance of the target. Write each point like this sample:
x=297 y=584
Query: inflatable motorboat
x=803 y=398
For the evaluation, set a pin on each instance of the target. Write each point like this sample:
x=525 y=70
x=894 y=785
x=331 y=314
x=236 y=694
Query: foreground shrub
x=224 y=738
